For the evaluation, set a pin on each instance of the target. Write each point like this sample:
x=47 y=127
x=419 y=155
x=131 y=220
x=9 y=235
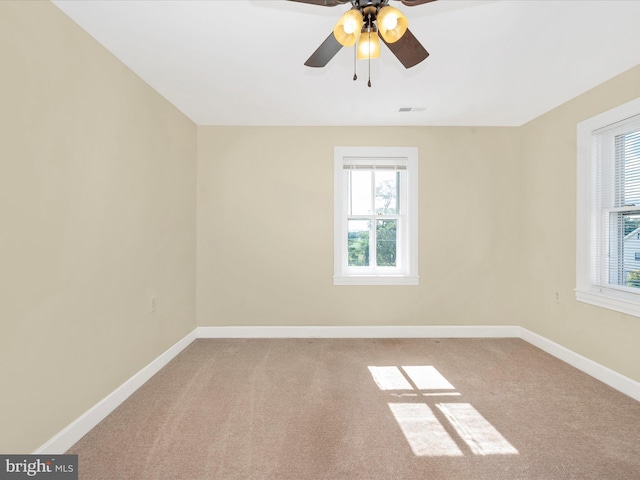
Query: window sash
x=373 y=240
x=616 y=201
x=401 y=234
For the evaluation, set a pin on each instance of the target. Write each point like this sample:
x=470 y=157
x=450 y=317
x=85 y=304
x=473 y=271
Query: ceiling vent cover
x=412 y=109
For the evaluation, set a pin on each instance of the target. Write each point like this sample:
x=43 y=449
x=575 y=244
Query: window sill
x=376 y=280
x=620 y=302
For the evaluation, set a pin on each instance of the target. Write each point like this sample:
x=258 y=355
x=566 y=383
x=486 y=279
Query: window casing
x=376 y=215
x=608 y=208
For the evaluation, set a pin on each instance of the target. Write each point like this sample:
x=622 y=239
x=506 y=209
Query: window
x=376 y=216
x=608 y=223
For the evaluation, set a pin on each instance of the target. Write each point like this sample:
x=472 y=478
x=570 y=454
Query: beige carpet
x=367 y=409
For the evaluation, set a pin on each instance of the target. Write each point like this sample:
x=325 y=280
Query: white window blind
x=374 y=163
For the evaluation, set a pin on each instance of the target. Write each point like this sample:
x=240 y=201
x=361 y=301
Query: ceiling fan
x=364 y=23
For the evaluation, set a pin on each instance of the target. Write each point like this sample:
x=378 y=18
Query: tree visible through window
x=373 y=217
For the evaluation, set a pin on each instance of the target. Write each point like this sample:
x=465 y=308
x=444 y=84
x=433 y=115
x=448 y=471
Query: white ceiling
x=240 y=62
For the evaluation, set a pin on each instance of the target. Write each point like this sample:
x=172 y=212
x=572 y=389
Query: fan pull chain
x=369 y=82
x=369 y=47
x=355 y=58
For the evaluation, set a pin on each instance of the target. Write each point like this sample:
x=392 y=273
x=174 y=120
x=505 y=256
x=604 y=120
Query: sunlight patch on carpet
x=426 y=377
x=389 y=378
x=475 y=430
x=425 y=434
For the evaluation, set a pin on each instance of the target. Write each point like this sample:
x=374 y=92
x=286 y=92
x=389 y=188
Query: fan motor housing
x=369 y=3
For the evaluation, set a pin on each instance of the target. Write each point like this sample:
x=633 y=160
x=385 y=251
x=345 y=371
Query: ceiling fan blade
x=408 y=49
x=413 y=3
x=323 y=3
x=324 y=53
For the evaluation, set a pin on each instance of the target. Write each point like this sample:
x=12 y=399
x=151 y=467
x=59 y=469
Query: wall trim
x=398 y=331
x=607 y=376
x=66 y=438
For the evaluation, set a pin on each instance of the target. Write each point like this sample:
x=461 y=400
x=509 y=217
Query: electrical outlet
x=153 y=303
x=557 y=297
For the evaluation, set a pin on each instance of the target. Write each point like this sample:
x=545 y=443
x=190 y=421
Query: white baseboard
x=65 y=439
x=604 y=374
x=398 y=331
x=62 y=441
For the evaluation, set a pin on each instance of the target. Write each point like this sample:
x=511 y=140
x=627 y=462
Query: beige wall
x=265 y=228
x=548 y=254
x=97 y=211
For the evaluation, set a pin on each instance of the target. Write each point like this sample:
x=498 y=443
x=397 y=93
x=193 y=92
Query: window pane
x=387 y=192
x=358 y=240
x=628 y=169
x=386 y=243
x=360 y=192
x=624 y=249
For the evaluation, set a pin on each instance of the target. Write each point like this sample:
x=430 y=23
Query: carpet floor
x=315 y=409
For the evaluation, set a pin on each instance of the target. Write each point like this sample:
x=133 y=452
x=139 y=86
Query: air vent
x=412 y=109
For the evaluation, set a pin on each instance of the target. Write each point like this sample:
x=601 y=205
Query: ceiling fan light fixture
x=347 y=30
x=392 y=24
x=369 y=44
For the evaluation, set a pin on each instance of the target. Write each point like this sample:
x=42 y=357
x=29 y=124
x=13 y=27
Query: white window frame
x=407 y=271
x=591 y=230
